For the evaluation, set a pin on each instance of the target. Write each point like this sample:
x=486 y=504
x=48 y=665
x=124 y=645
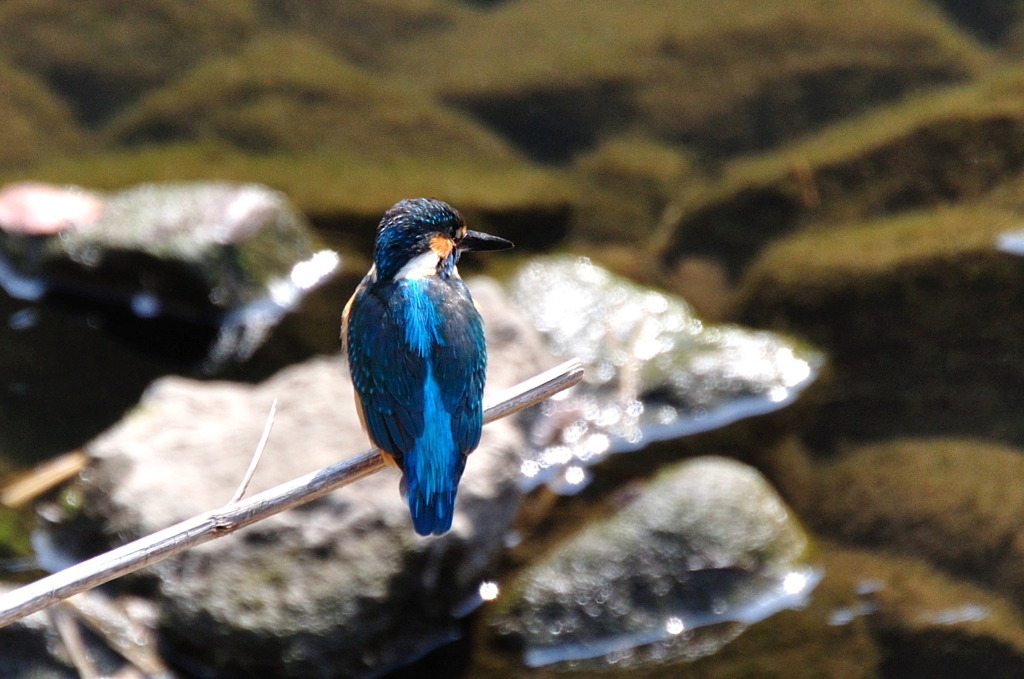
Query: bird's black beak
x=476 y=241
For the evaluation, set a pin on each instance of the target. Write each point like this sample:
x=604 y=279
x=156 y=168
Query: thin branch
x=256 y=455
x=119 y=629
x=69 y=632
x=217 y=523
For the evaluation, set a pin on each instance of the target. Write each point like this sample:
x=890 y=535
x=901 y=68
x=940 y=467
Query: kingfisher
x=417 y=355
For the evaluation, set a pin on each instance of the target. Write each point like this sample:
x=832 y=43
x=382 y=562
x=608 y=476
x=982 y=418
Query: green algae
x=15 y=524
x=683 y=74
x=607 y=33
x=15 y=534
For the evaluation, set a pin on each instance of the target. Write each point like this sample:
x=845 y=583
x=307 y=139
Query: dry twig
x=256 y=455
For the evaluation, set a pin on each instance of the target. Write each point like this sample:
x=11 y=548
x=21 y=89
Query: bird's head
x=425 y=237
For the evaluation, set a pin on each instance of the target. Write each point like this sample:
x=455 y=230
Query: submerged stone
x=655 y=371
x=924 y=622
x=706 y=549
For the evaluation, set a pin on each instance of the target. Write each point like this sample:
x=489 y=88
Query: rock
x=341 y=587
x=706 y=549
x=223 y=260
x=655 y=371
x=38 y=209
x=904 y=306
x=953 y=502
x=103 y=293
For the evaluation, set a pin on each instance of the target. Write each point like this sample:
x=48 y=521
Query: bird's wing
x=460 y=366
x=388 y=378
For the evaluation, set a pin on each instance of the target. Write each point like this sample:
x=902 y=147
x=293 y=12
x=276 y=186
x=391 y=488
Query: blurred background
x=784 y=237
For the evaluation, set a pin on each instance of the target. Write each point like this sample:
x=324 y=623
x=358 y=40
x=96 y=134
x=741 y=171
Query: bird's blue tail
x=432 y=512
x=433 y=467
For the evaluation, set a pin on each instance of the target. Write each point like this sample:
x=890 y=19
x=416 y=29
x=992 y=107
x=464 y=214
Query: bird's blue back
x=418 y=360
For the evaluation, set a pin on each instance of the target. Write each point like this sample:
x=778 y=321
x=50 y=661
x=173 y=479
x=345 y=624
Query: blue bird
x=417 y=355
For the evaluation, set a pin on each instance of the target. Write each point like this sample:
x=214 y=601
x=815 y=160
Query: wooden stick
x=214 y=524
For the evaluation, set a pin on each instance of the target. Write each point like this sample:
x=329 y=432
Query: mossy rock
x=922 y=316
x=343 y=144
x=288 y=93
x=727 y=78
x=36 y=123
x=953 y=502
x=99 y=54
x=706 y=543
x=943 y=147
x=362 y=31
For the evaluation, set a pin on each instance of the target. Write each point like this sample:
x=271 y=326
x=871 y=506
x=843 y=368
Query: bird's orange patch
x=442 y=245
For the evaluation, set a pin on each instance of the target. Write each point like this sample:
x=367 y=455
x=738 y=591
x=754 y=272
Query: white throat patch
x=419 y=266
